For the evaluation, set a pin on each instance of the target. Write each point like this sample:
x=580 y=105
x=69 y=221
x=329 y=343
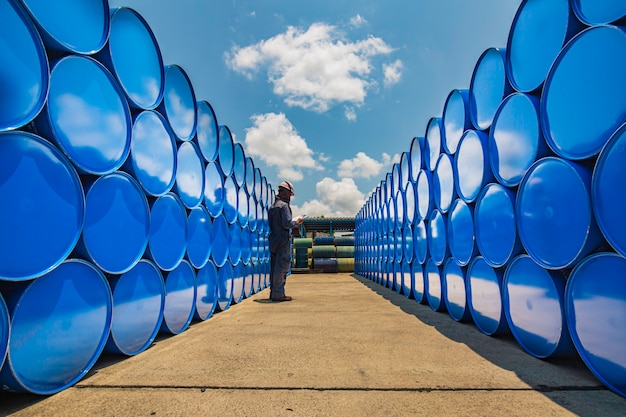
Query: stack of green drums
x=301 y=247
x=333 y=254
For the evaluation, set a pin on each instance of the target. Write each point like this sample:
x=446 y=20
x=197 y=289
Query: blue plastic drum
x=533 y=300
x=168 y=231
x=407 y=244
x=443 y=183
x=595 y=306
x=235 y=243
x=484 y=297
x=180 y=298
x=495 y=225
x=248 y=280
x=488 y=87
x=179 y=104
x=135 y=59
x=460 y=231
x=435 y=288
x=471 y=165
x=138 y=300
x=199 y=241
x=406 y=281
x=239 y=164
x=405 y=170
x=59 y=326
x=5 y=330
x=76 y=26
x=437 y=237
x=238 y=282
x=190 y=175
x=206 y=131
x=220 y=241
x=24 y=72
x=417 y=161
x=455 y=295
x=423 y=187
x=455 y=119
x=598 y=12
x=45 y=206
x=87 y=115
x=418 y=283
x=117 y=223
x=206 y=293
x=225 y=279
x=243 y=208
x=250 y=177
x=539 y=31
x=152 y=159
x=580 y=108
x=420 y=242
x=226 y=152
x=609 y=203
x=231 y=200
x=432 y=143
x=515 y=138
x=214 y=193
x=246 y=245
x=554 y=215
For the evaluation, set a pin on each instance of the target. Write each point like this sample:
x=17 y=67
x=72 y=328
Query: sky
x=329 y=93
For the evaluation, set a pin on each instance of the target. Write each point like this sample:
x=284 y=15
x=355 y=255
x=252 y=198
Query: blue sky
x=329 y=93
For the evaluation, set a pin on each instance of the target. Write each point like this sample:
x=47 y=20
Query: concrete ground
x=344 y=347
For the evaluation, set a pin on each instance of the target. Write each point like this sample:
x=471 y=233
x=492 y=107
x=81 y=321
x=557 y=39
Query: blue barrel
x=44 y=220
x=225 y=278
x=179 y=104
x=495 y=225
x=595 y=307
x=323 y=241
x=59 y=326
x=406 y=280
x=180 y=298
x=489 y=85
x=199 y=241
x=407 y=245
x=420 y=242
x=214 y=193
x=206 y=291
x=220 y=241
x=243 y=207
x=515 y=138
x=246 y=245
x=133 y=56
x=138 y=301
x=248 y=280
x=418 y=283
x=24 y=74
x=455 y=295
x=484 y=297
x=190 y=174
x=250 y=178
x=553 y=233
x=5 y=330
x=455 y=119
x=437 y=237
x=581 y=87
x=231 y=199
x=423 y=187
x=257 y=184
x=235 y=243
x=410 y=202
x=432 y=143
x=206 y=131
x=239 y=164
x=417 y=160
x=117 y=223
x=238 y=282
x=435 y=288
x=405 y=169
x=471 y=165
x=609 y=204
x=399 y=205
x=533 y=43
x=152 y=159
x=443 y=183
x=598 y=12
x=533 y=301
x=226 y=152
x=75 y=26
x=168 y=231
x=460 y=231
x=87 y=115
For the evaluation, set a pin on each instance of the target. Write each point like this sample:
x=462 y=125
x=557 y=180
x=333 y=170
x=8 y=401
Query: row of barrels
x=330 y=254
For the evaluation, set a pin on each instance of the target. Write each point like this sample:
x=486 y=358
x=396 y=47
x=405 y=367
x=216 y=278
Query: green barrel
x=345 y=264
x=324 y=251
x=344 y=240
x=344 y=251
x=302 y=242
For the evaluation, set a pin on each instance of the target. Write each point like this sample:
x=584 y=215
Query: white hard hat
x=287 y=186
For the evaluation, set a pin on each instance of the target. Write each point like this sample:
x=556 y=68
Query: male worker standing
x=281 y=223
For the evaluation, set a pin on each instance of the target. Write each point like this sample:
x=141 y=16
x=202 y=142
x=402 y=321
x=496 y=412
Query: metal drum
x=168 y=232
x=435 y=285
x=484 y=297
x=206 y=131
x=180 y=298
x=190 y=175
x=179 y=104
x=455 y=119
x=489 y=85
x=455 y=295
x=199 y=240
x=206 y=291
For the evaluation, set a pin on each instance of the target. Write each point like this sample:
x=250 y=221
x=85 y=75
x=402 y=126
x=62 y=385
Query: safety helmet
x=287 y=186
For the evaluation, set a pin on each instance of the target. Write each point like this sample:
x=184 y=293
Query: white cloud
x=350 y=113
x=313 y=69
x=361 y=166
x=389 y=160
x=392 y=72
x=342 y=197
x=275 y=141
x=357 y=20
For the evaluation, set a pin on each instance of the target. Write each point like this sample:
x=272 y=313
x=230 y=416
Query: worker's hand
x=300 y=220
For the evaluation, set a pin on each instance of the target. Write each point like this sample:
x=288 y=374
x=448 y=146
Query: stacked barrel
x=509 y=211
x=126 y=208
x=333 y=254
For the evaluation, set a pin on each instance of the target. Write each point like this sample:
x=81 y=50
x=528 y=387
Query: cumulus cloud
x=357 y=20
x=392 y=72
x=274 y=140
x=314 y=68
x=334 y=199
x=350 y=113
x=364 y=166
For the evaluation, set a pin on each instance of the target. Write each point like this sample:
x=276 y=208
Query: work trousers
x=280 y=262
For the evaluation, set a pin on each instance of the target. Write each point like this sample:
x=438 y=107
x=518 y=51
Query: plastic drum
x=190 y=175
x=471 y=165
x=179 y=104
x=168 y=232
x=455 y=120
x=206 y=131
x=488 y=87
x=199 y=241
x=484 y=297
x=455 y=295
x=180 y=298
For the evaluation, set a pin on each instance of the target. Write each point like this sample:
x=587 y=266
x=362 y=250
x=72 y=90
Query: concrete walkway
x=344 y=347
